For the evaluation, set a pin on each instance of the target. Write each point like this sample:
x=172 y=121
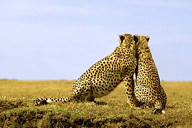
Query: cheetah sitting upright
x=148 y=90
x=102 y=77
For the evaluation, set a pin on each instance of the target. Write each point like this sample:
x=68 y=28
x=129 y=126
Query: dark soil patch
x=7 y=105
x=47 y=119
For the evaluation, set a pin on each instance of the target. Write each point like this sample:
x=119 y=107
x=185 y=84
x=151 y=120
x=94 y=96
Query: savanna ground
x=17 y=108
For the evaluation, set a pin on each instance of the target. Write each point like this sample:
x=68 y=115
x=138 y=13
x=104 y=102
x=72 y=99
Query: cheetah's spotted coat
x=148 y=90
x=101 y=78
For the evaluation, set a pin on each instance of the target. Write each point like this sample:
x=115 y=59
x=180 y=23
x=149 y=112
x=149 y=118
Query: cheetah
x=148 y=90
x=104 y=76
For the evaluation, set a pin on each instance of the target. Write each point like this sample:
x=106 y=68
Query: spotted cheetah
x=148 y=90
x=104 y=76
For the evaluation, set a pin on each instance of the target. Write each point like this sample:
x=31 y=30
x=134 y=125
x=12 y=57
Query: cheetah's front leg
x=129 y=89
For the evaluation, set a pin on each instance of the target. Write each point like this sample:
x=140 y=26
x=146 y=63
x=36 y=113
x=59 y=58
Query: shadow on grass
x=100 y=103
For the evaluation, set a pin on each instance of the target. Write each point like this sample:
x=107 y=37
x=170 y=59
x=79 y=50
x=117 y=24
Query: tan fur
x=148 y=90
x=104 y=76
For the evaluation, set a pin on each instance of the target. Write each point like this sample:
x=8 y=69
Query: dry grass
x=17 y=109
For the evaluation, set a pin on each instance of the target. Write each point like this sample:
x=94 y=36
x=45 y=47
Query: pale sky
x=61 y=39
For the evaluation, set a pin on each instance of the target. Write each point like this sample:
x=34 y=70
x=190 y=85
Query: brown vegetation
x=17 y=109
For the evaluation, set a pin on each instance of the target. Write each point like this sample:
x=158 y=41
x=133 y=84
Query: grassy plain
x=17 y=109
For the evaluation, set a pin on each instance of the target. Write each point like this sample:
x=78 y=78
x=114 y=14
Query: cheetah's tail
x=45 y=101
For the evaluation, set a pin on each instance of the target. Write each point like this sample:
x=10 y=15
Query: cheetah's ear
x=136 y=39
x=121 y=38
x=147 y=37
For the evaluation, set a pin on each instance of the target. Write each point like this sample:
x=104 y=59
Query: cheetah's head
x=126 y=40
x=141 y=44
